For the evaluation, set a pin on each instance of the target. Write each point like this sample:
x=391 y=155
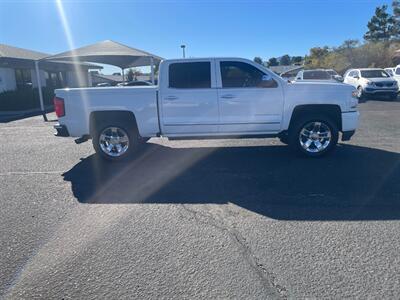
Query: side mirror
x=266 y=77
x=356 y=77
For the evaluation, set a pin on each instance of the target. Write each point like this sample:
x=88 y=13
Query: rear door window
x=191 y=75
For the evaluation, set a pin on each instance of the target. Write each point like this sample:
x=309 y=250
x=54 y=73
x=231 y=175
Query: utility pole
x=183 y=50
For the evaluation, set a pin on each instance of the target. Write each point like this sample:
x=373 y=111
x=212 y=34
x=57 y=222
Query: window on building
x=23 y=78
x=55 y=80
x=195 y=75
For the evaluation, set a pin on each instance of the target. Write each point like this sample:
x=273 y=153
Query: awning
x=108 y=52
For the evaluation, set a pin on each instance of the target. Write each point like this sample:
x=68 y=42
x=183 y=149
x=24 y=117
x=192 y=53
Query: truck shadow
x=354 y=183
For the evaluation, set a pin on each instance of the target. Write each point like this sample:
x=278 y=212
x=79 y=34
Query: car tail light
x=59 y=107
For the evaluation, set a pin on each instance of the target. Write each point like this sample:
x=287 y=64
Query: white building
x=17 y=70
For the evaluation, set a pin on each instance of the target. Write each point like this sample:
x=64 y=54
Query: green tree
x=380 y=27
x=285 y=60
x=349 y=44
x=272 y=62
x=348 y=51
x=258 y=60
x=130 y=75
x=396 y=20
x=156 y=68
x=317 y=56
x=133 y=74
x=136 y=73
x=296 y=59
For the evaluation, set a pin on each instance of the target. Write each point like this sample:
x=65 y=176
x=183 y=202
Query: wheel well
x=101 y=117
x=331 y=110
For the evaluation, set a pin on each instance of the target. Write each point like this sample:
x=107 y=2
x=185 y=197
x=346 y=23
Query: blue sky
x=208 y=28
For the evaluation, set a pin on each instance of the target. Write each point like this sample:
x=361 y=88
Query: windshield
x=318 y=75
x=374 y=74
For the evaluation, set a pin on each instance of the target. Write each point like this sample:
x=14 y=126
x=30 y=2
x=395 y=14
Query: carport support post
x=123 y=75
x=39 y=85
x=152 y=69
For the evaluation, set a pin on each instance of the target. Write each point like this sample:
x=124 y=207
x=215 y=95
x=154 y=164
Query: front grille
x=384 y=84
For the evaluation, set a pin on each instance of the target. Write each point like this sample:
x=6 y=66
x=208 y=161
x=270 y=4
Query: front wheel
x=314 y=136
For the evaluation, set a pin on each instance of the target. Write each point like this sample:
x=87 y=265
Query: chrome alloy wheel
x=315 y=137
x=114 y=141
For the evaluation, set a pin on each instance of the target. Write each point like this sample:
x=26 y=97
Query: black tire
x=132 y=135
x=302 y=122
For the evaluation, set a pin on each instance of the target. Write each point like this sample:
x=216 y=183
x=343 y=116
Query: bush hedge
x=25 y=99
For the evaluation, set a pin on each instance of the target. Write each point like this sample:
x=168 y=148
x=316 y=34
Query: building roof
x=15 y=52
x=108 y=52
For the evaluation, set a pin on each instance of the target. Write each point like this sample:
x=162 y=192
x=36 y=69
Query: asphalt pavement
x=201 y=219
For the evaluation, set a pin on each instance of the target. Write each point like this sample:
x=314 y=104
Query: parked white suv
x=372 y=82
x=213 y=98
x=396 y=74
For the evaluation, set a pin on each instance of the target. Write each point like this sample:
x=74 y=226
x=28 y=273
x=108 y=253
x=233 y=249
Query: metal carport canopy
x=111 y=53
x=105 y=52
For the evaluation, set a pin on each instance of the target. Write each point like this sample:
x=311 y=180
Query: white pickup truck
x=209 y=98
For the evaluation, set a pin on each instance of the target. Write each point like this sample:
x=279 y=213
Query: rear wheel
x=116 y=141
x=314 y=136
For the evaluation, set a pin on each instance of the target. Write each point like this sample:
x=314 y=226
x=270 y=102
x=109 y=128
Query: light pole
x=183 y=50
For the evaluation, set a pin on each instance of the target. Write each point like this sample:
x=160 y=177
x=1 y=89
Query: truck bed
x=80 y=102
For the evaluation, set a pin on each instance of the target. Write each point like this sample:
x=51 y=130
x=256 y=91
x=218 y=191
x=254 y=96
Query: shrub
x=352 y=54
x=25 y=99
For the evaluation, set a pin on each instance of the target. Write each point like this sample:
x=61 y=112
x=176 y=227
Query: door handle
x=171 y=98
x=228 y=96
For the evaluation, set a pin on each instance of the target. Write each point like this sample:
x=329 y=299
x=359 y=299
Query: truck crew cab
x=209 y=98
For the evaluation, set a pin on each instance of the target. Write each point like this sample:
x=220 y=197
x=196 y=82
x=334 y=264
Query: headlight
x=354 y=94
x=370 y=83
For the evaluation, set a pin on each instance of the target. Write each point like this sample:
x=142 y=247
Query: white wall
x=42 y=78
x=7 y=80
x=8 y=83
